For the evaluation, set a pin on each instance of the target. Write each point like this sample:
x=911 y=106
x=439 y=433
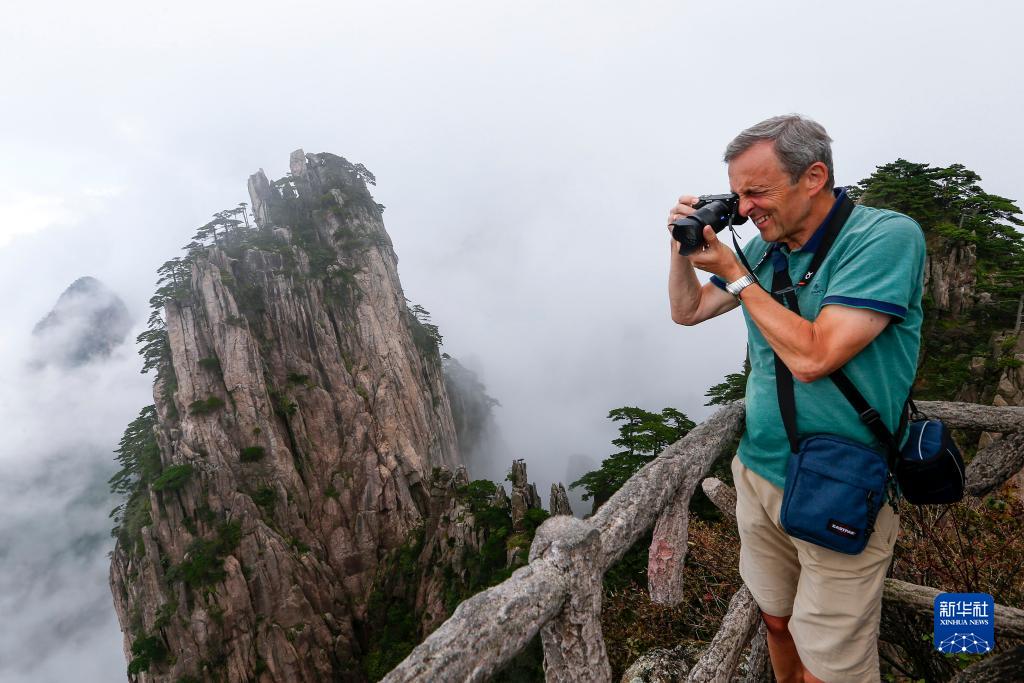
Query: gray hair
x=799 y=142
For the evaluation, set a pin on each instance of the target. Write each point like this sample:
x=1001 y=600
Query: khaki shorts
x=835 y=600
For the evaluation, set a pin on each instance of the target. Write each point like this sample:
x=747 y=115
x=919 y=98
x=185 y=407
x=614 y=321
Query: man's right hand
x=690 y=302
x=683 y=207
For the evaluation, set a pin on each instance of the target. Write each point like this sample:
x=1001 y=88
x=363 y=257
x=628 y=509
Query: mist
x=61 y=425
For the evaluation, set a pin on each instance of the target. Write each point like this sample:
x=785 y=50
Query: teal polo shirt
x=876 y=262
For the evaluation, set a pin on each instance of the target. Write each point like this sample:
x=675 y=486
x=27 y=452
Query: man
x=860 y=312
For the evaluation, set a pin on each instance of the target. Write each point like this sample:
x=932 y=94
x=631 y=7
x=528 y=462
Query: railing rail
x=558 y=594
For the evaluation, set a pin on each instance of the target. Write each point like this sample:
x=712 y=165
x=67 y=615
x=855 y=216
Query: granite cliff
x=300 y=415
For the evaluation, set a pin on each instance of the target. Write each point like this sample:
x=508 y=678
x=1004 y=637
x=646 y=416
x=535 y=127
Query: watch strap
x=737 y=286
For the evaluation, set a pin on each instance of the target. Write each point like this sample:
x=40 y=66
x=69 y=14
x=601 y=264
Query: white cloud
x=61 y=426
x=24 y=214
x=28 y=213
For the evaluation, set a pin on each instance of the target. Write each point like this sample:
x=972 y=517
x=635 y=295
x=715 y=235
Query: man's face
x=777 y=207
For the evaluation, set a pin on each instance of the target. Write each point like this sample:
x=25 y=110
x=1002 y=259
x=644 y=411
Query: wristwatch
x=737 y=286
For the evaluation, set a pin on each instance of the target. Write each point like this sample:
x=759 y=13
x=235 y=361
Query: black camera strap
x=739 y=252
x=784 y=292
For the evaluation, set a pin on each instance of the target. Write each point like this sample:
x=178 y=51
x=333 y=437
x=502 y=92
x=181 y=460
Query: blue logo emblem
x=964 y=623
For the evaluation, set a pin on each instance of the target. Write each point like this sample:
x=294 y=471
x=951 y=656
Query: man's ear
x=815 y=178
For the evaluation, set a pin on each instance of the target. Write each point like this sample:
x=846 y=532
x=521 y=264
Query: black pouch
x=930 y=469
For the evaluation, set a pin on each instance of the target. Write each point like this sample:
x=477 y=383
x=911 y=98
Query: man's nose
x=745 y=207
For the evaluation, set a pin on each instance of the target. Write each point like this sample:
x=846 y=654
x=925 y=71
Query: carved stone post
x=573 y=644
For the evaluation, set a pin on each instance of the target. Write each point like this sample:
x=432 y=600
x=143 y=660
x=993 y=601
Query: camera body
x=715 y=210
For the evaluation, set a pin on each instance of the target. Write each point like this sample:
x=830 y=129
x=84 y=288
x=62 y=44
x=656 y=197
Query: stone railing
x=558 y=594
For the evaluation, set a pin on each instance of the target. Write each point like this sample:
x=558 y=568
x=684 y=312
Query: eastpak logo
x=841 y=529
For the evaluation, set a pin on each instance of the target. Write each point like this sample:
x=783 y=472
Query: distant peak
x=88 y=321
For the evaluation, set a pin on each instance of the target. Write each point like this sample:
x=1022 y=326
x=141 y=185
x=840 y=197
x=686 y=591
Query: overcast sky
x=527 y=154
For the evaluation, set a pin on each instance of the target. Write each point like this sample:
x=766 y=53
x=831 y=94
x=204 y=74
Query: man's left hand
x=714 y=257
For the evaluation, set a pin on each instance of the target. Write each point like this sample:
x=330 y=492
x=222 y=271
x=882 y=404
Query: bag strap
x=868 y=415
x=784 y=292
x=836 y=222
x=781 y=286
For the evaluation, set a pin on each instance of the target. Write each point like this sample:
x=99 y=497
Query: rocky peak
x=87 y=322
x=524 y=494
x=559 y=501
x=300 y=409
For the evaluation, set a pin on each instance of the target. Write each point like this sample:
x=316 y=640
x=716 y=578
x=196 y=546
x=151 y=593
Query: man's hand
x=690 y=302
x=714 y=257
x=682 y=208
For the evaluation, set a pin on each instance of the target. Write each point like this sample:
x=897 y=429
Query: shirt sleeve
x=882 y=270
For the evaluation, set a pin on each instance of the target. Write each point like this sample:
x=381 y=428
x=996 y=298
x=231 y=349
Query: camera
x=715 y=210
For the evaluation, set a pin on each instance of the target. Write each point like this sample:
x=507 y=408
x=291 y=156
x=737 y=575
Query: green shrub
x=229 y=534
x=1008 y=362
x=265 y=497
x=206 y=406
x=295 y=378
x=252 y=453
x=164 y=614
x=145 y=651
x=331 y=492
x=204 y=563
x=533 y=518
x=173 y=478
x=212 y=364
x=284 y=406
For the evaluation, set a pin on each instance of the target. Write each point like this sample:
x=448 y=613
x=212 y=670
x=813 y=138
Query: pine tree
x=642 y=437
x=956 y=213
x=732 y=388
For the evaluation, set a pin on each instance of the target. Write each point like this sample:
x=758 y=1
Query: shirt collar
x=811 y=244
